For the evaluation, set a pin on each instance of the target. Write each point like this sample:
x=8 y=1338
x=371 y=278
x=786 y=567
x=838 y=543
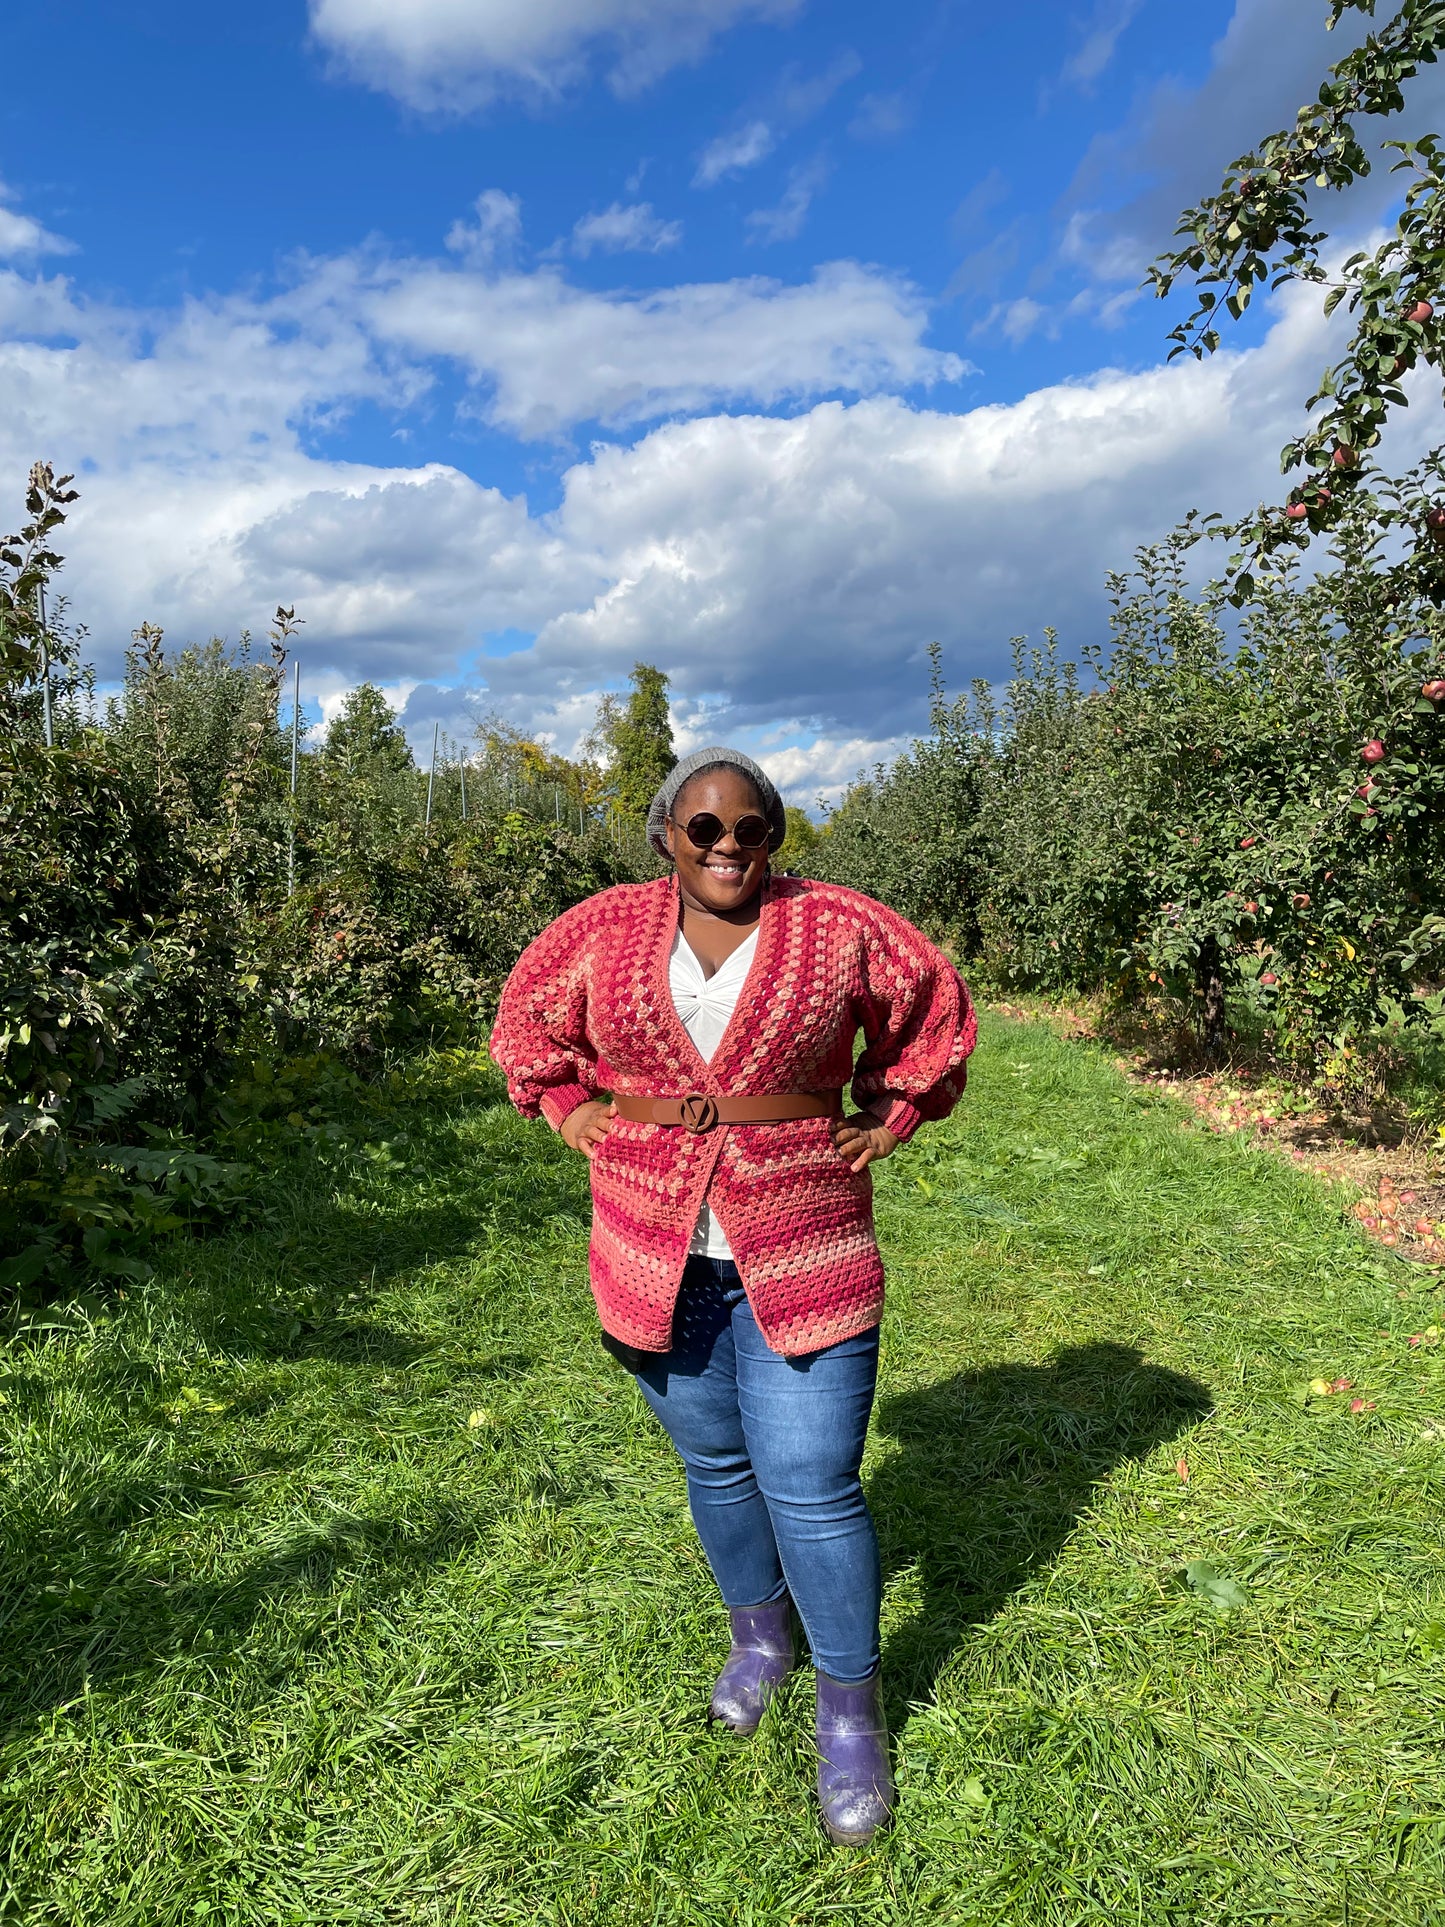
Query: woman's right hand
x=585 y=1128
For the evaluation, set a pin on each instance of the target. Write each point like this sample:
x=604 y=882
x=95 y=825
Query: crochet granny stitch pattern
x=588 y=1010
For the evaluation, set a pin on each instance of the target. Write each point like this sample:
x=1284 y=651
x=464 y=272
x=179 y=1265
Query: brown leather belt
x=699 y=1113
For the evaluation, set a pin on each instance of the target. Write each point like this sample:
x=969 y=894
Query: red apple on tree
x=1296 y=511
x=1434 y=690
x=1420 y=313
x=1344 y=457
x=1300 y=900
x=1374 y=751
x=1268 y=977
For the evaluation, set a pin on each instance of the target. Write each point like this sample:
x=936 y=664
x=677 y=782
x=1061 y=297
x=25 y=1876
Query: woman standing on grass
x=733 y=1258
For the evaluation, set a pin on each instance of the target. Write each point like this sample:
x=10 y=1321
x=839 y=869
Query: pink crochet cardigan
x=588 y=1009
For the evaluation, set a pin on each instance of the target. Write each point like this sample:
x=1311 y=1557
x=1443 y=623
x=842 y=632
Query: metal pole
x=295 y=754
x=45 y=672
x=432 y=772
x=462 y=772
x=557 y=799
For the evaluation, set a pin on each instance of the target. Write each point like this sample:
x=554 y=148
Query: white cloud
x=816 y=558
x=785 y=221
x=818 y=767
x=734 y=152
x=1015 y=320
x=1095 y=52
x=213 y=379
x=978 y=205
x=1120 y=209
x=1019 y=319
x=541 y=354
x=789 y=573
x=202 y=506
x=617 y=229
x=496 y=234
x=549 y=355
x=882 y=117
x=799 y=96
x=794 y=99
x=1133 y=183
x=22 y=237
x=452 y=56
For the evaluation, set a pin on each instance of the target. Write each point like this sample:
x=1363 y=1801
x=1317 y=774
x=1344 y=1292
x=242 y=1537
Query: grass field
x=345 y=1580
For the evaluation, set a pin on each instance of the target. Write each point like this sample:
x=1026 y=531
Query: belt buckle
x=698 y=1113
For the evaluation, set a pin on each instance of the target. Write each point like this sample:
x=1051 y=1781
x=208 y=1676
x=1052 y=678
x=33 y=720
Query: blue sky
x=513 y=340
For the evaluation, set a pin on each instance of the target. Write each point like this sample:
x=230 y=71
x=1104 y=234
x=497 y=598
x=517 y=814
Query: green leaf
x=1215 y=1587
x=24 y=1270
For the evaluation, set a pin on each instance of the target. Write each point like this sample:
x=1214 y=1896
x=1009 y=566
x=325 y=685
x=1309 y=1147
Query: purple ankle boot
x=855 y=1783
x=760 y=1660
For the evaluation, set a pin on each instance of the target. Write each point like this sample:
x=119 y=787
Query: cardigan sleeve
x=539 y=1038
x=919 y=1027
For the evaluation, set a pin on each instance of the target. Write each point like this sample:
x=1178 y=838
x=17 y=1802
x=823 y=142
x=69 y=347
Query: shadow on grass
x=993 y=1471
x=81 y=1614
x=79 y=1600
x=359 y=1232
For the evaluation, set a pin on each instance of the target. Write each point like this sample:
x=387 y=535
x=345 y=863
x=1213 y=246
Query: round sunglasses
x=750 y=832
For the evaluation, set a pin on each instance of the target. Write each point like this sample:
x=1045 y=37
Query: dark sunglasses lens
x=705 y=829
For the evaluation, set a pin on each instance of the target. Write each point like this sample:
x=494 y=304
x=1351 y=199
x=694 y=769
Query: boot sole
x=738 y=1732
x=841 y=1839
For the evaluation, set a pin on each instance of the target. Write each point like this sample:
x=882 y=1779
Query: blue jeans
x=772 y=1447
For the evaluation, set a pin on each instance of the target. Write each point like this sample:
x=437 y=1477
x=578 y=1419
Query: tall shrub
x=916 y=832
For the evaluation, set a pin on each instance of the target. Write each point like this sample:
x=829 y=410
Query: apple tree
x=1226 y=819
x=1259 y=231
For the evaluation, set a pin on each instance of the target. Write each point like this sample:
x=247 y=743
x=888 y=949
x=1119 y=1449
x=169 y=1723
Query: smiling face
x=725 y=878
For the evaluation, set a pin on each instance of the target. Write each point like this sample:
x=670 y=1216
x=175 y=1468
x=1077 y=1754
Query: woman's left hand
x=863 y=1140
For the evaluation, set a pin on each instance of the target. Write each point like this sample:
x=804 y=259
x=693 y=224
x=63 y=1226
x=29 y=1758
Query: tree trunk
x=1209 y=971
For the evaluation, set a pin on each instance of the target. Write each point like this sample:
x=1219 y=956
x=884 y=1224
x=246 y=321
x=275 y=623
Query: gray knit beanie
x=694 y=765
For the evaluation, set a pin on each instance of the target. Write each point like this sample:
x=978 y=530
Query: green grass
x=345 y=1580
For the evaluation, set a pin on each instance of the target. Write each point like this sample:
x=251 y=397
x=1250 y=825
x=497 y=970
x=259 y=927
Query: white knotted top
x=705 y=1005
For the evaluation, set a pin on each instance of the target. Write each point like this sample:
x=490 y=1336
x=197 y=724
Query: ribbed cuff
x=558 y=1104
x=898 y=1116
